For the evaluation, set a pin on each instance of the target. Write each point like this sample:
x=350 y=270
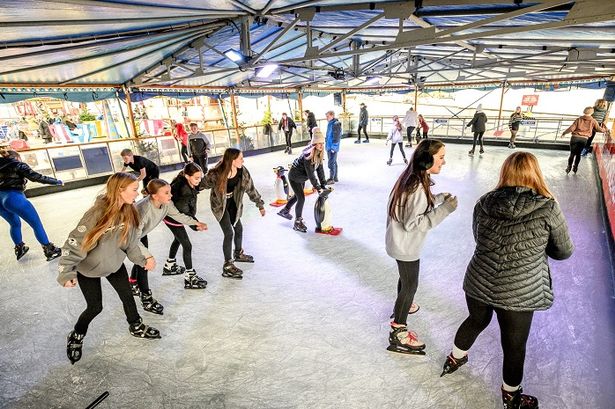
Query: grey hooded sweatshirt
x=105 y=258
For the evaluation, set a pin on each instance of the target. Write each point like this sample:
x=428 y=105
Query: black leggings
x=201 y=161
x=401 y=148
x=298 y=197
x=577 y=144
x=231 y=233
x=139 y=273
x=364 y=127
x=409 y=280
x=409 y=131
x=92 y=291
x=288 y=135
x=514 y=332
x=478 y=136
x=181 y=238
x=184 y=152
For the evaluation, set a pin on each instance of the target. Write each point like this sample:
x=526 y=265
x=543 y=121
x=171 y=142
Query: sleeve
x=208 y=181
x=416 y=219
x=208 y=143
x=26 y=171
x=253 y=193
x=136 y=251
x=471 y=121
x=189 y=147
x=598 y=127
x=179 y=216
x=293 y=124
x=571 y=128
x=309 y=171
x=560 y=246
x=337 y=132
x=280 y=125
x=72 y=253
x=475 y=220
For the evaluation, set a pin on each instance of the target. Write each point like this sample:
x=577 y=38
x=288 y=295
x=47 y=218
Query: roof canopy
x=339 y=44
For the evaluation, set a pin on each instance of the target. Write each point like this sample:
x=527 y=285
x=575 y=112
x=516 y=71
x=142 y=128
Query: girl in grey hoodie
x=412 y=211
x=96 y=248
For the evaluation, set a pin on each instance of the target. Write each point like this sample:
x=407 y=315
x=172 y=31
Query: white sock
x=458 y=353
x=509 y=388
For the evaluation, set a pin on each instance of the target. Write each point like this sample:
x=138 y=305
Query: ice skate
x=517 y=400
x=405 y=342
x=140 y=330
x=568 y=170
x=134 y=287
x=230 y=271
x=389 y=162
x=574 y=170
x=357 y=141
x=290 y=150
x=285 y=214
x=452 y=364
x=471 y=152
x=242 y=257
x=51 y=251
x=172 y=269
x=330 y=181
x=21 y=250
x=481 y=151
x=74 y=343
x=150 y=304
x=193 y=281
x=405 y=161
x=299 y=226
x=366 y=141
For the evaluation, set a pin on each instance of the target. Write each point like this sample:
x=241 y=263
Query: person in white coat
x=410 y=121
x=396 y=138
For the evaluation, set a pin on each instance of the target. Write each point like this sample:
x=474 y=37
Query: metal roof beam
x=244 y=7
x=140 y=7
x=352 y=32
x=272 y=43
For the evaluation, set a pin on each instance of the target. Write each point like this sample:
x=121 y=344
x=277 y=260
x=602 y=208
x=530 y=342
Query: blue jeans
x=13 y=207
x=332 y=159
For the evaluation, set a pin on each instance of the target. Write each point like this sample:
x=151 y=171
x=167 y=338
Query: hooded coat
x=516 y=230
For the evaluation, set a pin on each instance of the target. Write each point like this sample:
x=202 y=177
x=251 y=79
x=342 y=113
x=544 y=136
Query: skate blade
x=407 y=351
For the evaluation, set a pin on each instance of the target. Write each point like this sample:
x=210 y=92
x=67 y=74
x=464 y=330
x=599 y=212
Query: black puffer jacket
x=13 y=175
x=515 y=231
x=184 y=197
x=478 y=122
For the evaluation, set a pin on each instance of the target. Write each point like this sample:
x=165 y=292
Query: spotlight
x=235 y=56
x=266 y=71
x=338 y=74
x=372 y=81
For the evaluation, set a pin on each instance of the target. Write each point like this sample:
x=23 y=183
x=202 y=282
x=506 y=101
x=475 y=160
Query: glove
x=451 y=203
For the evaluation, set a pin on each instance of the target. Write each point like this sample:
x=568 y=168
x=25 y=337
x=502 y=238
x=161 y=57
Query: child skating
x=397 y=139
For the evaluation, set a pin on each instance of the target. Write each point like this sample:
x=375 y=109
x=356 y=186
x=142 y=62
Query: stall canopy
x=337 y=44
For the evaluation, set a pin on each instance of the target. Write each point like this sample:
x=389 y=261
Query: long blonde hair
x=522 y=169
x=113 y=211
x=314 y=155
x=601 y=103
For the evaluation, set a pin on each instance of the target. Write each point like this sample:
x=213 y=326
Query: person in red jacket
x=421 y=124
x=179 y=133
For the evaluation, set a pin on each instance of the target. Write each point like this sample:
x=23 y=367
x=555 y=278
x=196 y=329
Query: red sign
x=529 y=100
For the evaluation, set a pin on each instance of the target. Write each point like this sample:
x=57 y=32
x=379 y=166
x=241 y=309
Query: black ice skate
x=517 y=400
x=193 y=281
x=51 y=251
x=242 y=257
x=285 y=214
x=21 y=250
x=172 y=269
x=230 y=271
x=150 y=304
x=299 y=226
x=471 y=152
x=405 y=342
x=134 y=287
x=481 y=151
x=389 y=162
x=140 y=330
x=74 y=343
x=452 y=364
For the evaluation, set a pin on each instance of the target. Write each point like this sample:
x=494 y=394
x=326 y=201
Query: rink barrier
x=605 y=162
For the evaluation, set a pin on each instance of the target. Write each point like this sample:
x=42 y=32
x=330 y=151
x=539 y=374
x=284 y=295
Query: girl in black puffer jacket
x=184 y=188
x=516 y=227
x=14 y=206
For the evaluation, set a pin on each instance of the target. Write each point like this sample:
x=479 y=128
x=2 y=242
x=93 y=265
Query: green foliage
x=86 y=116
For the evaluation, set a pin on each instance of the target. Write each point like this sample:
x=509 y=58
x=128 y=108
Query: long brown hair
x=414 y=175
x=114 y=212
x=223 y=168
x=522 y=169
x=189 y=169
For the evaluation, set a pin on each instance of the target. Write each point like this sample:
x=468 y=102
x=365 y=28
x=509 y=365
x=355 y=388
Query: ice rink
x=307 y=327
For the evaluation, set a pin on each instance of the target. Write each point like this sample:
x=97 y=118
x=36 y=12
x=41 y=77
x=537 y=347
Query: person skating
x=397 y=139
x=363 y=120
x=303 y=168
x=287 y=125
x=179 y=133
x=582 y=129
x=199 y=146
x=421 y=124
x=513 y=280
x=106 y=234
x=310 y=120
x=228 y=181
x=152 y=210
x=478 y=128
x=600 y=115
x=410 y=122
x=513 y=125
x=147 y=169
x=332 y=145
x=14 y=205
x=412 y=211
x=185 y=188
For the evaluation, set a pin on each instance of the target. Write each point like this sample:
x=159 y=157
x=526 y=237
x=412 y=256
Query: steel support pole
x=501 y=104
x=235 y=122
x=131 y=115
